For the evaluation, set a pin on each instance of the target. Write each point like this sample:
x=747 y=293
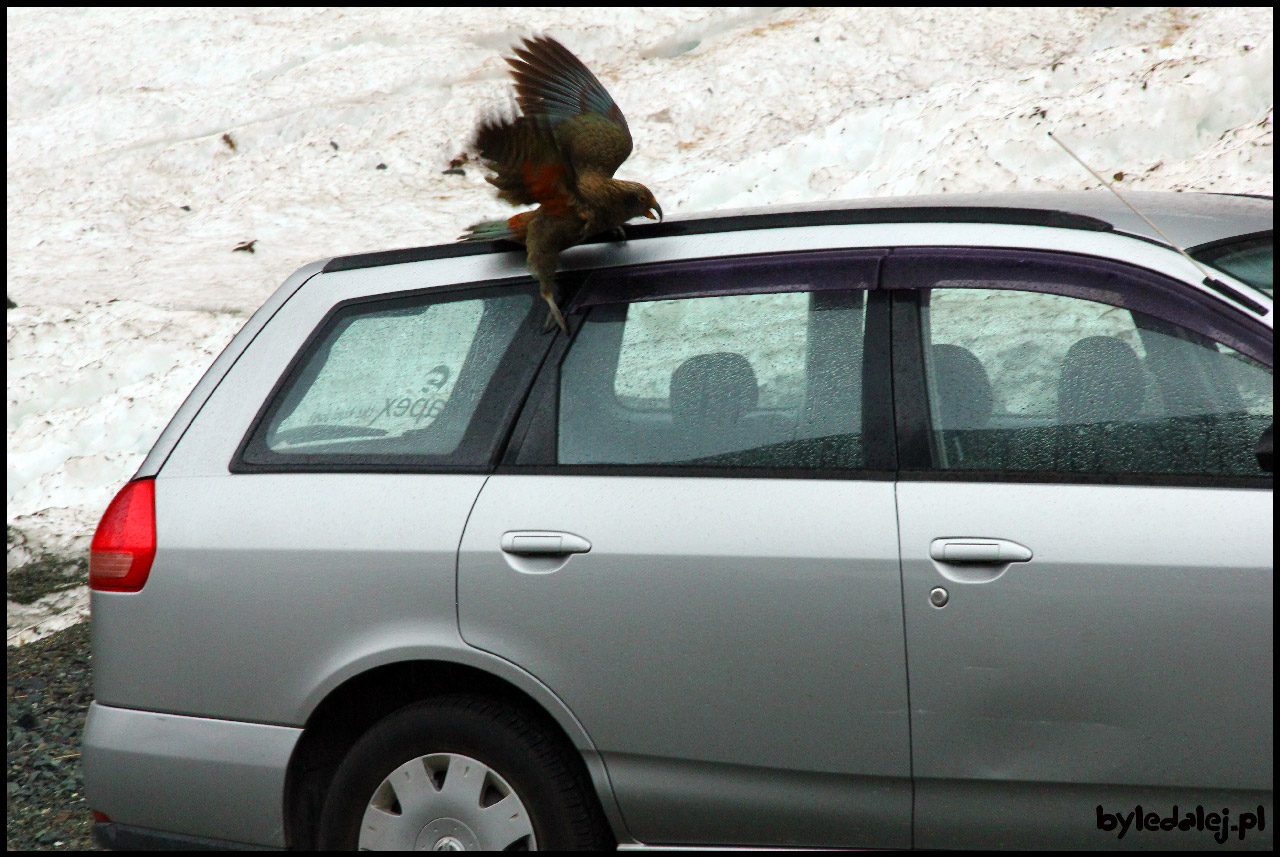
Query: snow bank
x=145 y=145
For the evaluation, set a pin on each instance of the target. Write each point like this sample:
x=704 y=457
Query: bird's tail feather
x=489 y=230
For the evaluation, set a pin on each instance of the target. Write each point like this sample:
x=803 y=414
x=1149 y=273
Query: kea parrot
x=560 y=154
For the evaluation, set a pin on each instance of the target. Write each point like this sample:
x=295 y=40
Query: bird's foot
x=618 y=234
x=554 y=318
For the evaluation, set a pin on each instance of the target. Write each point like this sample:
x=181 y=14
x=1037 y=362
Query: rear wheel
x=461 y=773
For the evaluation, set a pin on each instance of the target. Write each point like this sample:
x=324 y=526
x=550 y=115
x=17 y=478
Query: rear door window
x=770 y=376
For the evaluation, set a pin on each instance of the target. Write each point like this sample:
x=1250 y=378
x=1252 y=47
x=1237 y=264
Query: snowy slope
x=145 y=145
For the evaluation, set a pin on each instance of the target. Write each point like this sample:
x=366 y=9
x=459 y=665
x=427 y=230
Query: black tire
x=546 y=776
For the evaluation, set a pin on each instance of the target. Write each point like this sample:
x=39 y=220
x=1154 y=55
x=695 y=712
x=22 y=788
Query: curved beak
x=649 y=213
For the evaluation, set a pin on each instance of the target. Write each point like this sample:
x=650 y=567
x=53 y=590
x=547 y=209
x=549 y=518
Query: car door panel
x=1119 y=666
x=732 y=638
x=732 y=646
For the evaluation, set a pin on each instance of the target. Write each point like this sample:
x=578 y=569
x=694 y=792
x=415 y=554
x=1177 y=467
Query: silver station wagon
x=941 y=522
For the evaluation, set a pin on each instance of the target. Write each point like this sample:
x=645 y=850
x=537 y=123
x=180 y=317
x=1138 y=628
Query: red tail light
x=125 y=542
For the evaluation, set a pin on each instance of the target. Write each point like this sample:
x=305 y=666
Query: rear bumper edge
x=204 y=779
x=126 y=837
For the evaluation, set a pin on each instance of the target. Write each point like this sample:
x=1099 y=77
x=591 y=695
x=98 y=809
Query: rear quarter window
x=399 y=380
x=384 y=374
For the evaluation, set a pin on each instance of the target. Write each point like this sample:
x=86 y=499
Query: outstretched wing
x=554 y=87
x=526 y=162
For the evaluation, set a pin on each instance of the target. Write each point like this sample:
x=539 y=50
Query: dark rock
x=45 y=784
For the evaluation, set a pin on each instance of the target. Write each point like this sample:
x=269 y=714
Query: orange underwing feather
x=545 y=182
x=519 y=224
x=509 y=147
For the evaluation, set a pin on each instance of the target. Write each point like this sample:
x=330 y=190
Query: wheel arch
x=350 y=708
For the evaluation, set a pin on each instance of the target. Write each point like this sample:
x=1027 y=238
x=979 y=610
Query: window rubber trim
x=911 y=417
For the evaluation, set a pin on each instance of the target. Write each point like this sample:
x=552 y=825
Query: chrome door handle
x=543 y=542
x=978 y=551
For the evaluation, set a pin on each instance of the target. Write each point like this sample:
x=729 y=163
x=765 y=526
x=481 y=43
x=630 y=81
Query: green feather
x=489 y=230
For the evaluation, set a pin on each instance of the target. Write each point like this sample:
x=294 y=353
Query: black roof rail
x=743 y=222
x=1265 y=196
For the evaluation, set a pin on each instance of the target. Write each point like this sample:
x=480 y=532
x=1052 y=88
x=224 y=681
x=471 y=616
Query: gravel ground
x=50 y=686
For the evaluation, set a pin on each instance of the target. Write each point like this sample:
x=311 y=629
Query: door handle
x=978 y=551
x=543 y=542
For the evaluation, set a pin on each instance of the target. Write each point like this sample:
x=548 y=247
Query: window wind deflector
x=1235 y=296
x=1249 y=258
x=821 y=270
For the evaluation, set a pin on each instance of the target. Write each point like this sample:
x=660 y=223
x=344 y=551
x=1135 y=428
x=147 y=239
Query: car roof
x=1189 y=219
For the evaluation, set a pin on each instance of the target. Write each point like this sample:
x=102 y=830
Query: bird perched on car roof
x=560 y=154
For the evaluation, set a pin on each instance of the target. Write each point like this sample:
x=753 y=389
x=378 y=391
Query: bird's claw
x=619 y=234
x=554 y=318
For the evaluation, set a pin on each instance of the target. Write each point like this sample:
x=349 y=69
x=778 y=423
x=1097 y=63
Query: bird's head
x=637 y=201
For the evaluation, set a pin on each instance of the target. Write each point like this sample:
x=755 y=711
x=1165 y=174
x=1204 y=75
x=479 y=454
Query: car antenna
x=1209 y=280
